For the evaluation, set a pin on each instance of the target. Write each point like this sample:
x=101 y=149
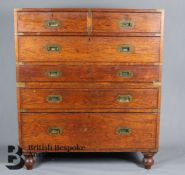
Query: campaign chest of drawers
x=88 y=80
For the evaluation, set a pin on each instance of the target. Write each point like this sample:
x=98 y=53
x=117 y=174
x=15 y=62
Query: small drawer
x=103 y=130
x=37 y=100
x=88 y=73
x=52 y=22
x=106 y=22
x=97 y=49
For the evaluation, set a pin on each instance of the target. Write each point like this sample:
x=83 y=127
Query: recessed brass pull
x=54 y=131
x=125 y=74
x=123 y=131
x=52 y=24
x=54 y=98
x=53 y=48
x=53 y=74
x=124 y=98
x=126 y=24
x=125 y=48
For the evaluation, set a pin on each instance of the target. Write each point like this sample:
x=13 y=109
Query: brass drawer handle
x=53 y=74
x=126 y=24
x=53 y=48
x=125 y=74
x=125 y=48
x=54 y=98
x=124 y=98
x=123 y=131
x=52 y=24
x=54 y=131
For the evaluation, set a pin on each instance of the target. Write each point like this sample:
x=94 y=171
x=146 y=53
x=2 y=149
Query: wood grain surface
x=95 y=49
x=36 y=21
x=87 y=99
x=90 y=56
x=88 y=73
x=96 y=131
x=110 y=22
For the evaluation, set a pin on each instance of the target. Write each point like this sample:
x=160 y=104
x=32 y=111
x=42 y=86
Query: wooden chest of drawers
x=88 y=80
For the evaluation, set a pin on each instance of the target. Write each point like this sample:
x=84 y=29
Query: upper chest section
x=85 y=21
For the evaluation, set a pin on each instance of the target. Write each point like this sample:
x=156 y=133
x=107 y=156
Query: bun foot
x=148 y=160
x=29 y=161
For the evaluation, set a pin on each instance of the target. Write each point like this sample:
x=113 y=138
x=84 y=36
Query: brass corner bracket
x=22 y=110
x=19 y=63
x=156 y=83
x=17 y=9
x=89 y=22
x=20 y=84
x=19 y=34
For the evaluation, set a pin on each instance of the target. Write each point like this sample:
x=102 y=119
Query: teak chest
x=88 y=80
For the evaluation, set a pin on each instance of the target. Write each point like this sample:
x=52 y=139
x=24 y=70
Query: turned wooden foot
x=148 y=160
x=29 y=161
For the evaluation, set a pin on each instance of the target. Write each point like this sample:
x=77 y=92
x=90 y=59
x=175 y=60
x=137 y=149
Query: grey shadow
x=85 y=157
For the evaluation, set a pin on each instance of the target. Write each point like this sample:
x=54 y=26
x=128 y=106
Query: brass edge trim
x=19 y=63
x=158 y=64
x=20 y=84
x=157 y=34
x=18 y=9
x=156 y=83
x=19 y=34
x=156 y=110
x=22 y=110
x=89 y=22
x=159 y=10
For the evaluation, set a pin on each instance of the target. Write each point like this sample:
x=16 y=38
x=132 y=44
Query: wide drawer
x=95 y=49
x=52 y=22
x=126 y=22
x=68 y=73
x=53 y=100
x=90 y=131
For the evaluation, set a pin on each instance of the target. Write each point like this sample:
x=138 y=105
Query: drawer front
x=52 y=22
x=97 y=49
x=126 y=22
x=105 y=132
x=87 y=99
x=68 y=73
